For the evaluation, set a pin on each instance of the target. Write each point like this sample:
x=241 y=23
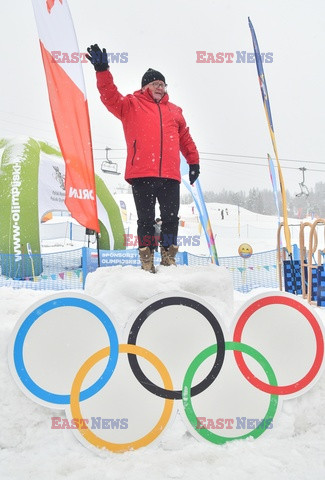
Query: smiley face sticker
x=245 y=250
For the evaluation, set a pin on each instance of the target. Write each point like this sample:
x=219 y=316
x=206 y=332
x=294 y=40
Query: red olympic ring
x=311 y=374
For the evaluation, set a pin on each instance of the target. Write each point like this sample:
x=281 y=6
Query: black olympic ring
x=208 y=380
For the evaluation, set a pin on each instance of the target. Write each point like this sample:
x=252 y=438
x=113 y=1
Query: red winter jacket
x=155 y=133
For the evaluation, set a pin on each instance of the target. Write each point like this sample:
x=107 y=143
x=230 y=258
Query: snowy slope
x=238 y=226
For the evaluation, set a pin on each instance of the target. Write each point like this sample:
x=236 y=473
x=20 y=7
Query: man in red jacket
x=155 y=133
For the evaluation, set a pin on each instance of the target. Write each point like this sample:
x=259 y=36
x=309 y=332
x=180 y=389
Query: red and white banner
x=67 y=94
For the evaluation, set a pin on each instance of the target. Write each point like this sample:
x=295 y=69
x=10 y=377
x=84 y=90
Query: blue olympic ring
x=30 y=320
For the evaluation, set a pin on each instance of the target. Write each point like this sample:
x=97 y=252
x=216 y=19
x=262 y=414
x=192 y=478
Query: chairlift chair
x=304 y=192
x=108 y=166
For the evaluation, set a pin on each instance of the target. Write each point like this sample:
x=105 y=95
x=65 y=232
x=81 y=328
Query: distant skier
x=155 y=133
x=222 y=215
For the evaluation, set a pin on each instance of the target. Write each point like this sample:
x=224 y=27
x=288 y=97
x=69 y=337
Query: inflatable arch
x=32 y=184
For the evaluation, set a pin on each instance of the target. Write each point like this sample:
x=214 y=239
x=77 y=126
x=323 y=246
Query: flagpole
x=198 y=198
x=205 y=222
x=98 y=251
x=267 y=109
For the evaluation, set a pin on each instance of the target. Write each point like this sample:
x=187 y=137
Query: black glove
x=194 y=172
x=97 y=57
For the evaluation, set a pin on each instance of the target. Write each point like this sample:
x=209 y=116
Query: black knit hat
x=150 y=76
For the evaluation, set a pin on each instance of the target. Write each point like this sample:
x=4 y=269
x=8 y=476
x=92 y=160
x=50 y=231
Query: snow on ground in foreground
x=29 y=449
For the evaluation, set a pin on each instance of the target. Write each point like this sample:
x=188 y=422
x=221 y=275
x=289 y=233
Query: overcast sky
x=221 y=101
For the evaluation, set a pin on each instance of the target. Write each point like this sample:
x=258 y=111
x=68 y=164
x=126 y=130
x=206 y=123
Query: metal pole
x=97 y=239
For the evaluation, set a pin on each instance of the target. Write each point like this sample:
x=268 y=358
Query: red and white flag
x=67 y=94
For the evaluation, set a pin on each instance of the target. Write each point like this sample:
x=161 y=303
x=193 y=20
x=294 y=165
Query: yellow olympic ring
x=75 y=405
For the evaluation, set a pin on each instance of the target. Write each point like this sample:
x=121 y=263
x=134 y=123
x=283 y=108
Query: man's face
x=157 y=88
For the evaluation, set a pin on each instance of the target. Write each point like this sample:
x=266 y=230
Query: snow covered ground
x=30 y=449
x=237 y=226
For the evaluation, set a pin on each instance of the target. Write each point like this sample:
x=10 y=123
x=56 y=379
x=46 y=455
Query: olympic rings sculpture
x=81 y=378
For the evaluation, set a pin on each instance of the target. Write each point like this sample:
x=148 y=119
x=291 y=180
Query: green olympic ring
x=187 y=401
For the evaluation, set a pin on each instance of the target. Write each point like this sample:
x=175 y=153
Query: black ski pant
x=146 y=191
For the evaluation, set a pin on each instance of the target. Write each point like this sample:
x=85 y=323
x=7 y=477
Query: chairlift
x=304 y=192
x=108 y=166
